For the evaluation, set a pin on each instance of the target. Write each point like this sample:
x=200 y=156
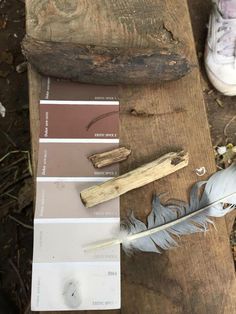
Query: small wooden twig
x=110 y=157
x=228 y=124
x=7 y=136
x=141 y=176
x=16 y=152
x=4 y=187
x=21 y=223
x=19 y=278
x=10 y=166
x=27 y=309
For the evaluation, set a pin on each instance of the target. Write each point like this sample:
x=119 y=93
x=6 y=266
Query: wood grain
x=105 y=65
x=145 y=174
x=197 y=277
x=112 y=23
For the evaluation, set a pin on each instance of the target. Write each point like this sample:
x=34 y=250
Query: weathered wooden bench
x=198 y=276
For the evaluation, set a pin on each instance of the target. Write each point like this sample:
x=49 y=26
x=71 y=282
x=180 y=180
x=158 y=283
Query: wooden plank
x=111 y=23
x=197 y=277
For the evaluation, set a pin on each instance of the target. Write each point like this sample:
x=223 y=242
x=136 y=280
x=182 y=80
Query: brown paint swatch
x=79 y=121
x=65 y=90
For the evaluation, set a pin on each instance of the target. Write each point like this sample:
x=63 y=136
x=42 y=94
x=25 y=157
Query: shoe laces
x=227 y=41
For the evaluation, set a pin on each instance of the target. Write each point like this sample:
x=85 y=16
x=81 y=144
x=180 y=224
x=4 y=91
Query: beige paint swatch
x=62 y=200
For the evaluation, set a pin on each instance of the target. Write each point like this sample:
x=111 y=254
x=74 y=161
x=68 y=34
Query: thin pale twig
x=11 y=196
x=21 y=223
x=12 y=152
x=23 y=152
x=19 y=277
x=4 y=187
x=27 y=309
x=227 y=125
x=9 y=167
x=8 y=138
x=29 y=164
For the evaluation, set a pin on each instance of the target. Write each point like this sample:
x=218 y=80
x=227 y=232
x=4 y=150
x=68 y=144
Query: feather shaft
x=102 y=244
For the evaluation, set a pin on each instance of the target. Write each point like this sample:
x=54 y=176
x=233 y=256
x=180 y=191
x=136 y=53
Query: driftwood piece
x=110 y=157
x=105 y=65
x=134 y=179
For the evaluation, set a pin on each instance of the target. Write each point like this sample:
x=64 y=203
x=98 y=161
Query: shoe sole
x=226 y=89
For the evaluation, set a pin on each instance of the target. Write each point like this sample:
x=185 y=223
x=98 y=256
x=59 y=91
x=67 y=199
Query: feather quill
x=166 y=223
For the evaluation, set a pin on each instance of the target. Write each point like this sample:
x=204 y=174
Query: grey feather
x=217 y=188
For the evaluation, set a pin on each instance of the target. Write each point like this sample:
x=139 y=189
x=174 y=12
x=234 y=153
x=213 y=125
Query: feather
x=166 y=223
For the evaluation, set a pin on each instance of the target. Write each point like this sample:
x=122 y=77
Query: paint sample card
x=75 y=286
x=60 y=199
x=72 y=237
x=76 y=121
x=71 y=160
x=56 y=89
x=79 y=121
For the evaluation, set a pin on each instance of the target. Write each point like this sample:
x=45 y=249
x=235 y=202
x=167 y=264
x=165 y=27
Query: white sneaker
x=220 y=52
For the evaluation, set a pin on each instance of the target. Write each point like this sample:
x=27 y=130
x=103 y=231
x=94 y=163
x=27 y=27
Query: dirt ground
x=16 y=185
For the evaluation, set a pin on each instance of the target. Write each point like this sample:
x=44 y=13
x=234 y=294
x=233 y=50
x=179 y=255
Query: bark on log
x=134 y=179
x=105 y=65
x=110 y=157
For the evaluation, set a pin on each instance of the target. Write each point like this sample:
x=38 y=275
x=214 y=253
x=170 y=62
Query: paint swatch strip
x=76 y=121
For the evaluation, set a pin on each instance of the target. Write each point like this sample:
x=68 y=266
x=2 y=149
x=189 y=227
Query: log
x=105 y=65
x=109 y=158
x=134 y=179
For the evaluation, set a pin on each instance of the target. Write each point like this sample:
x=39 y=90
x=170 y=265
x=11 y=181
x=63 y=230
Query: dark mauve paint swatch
x=79 y=121
x=65 y=90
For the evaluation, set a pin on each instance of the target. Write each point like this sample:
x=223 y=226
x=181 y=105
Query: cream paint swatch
x=77 y=120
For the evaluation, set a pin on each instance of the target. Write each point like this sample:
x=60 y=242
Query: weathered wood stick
x=134 y=179
x=110 y=157
x=105 y=65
